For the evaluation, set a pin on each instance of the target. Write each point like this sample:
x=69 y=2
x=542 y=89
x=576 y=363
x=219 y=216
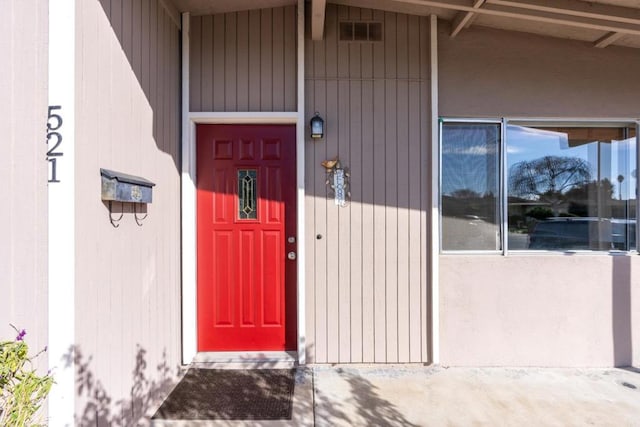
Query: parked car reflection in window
x=583 y=234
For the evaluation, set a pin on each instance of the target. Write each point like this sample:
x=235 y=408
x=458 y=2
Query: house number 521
x=54 y=139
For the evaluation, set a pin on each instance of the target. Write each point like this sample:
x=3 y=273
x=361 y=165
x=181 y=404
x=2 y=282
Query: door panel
x=246 y=195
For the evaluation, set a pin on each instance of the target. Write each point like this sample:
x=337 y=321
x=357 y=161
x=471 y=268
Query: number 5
x=54 y=116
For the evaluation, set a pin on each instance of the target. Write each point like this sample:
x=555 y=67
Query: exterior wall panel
x=244 y=61
x=537 y=310
x=127 y=278
x=23 y=171
x=494 y=73
x=366 y=296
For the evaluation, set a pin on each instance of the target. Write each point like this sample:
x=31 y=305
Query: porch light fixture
x=317 y=126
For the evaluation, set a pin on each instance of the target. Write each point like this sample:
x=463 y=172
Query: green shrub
x=22 y=390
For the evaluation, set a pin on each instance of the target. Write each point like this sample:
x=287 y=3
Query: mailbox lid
x=123 y=177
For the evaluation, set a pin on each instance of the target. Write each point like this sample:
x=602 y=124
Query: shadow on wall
x=621 y=311
x=151 y=42
x=148 y=389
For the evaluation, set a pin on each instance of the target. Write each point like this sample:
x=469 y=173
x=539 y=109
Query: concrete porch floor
x=415 y=395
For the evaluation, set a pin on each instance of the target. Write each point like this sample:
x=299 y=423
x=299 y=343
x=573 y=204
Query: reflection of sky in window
x=616 y=157
x=623 y=162
x=470 y=158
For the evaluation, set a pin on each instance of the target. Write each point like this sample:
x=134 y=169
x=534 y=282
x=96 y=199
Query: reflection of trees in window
x=582 y=196
x=548 y=179
x=465 y=203
x=465 y=193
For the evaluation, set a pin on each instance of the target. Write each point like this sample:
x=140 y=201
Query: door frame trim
x=188 y=187
x=189 y=218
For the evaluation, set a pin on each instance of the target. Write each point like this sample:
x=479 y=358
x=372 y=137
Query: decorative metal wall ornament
x=338 y=178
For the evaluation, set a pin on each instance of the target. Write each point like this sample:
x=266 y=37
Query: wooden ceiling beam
x=607 y=39
x=318 y=8
x=601 y=24
x=577 y=9
x=463 y=19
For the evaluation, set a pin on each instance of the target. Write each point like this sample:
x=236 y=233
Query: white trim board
x=189 y=212
x=300 y=155
x=188 y=184
x=243 y=117
x=245 y=360
x=61 y=214
x=434 y=274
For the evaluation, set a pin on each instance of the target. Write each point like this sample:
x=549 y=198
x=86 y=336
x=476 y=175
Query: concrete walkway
x=411 y=395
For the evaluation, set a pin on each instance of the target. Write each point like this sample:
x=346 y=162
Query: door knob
x=291 y=255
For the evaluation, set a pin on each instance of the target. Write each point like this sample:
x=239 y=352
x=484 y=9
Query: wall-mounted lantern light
x=317 y=126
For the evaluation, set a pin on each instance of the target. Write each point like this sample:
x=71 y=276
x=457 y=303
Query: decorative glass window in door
x=247 y=194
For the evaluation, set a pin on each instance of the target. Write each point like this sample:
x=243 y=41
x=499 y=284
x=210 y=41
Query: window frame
x=500 y=211
x=503 y=181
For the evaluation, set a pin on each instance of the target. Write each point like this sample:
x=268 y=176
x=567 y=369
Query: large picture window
x=571 y=188
x=561 y=188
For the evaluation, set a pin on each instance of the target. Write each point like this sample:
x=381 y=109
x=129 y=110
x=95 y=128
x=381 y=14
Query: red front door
x=246 y=195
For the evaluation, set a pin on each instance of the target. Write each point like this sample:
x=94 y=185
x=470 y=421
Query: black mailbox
x=121 y=187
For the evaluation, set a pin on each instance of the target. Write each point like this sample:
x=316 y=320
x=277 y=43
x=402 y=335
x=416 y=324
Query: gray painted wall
x=244 y=61
x=23 y=170
x=127 y=278
x=366 y=275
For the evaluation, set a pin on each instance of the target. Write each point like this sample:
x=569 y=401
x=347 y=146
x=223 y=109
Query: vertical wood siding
x=367 y=296
x=128 y=278
x=23 y=170
x=244 y=61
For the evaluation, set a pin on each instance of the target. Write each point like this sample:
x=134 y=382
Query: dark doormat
x=221 y=394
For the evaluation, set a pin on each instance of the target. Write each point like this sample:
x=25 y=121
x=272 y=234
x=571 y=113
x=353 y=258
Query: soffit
x=600 y=22
x=623 y=3
x=210 y=7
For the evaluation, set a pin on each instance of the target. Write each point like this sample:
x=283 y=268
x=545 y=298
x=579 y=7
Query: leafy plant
x=22 y=390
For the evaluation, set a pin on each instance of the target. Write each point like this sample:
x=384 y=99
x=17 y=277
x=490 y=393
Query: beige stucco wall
x=127 y=278
x=493 y=73
x=541 y=310
x=23 y=170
